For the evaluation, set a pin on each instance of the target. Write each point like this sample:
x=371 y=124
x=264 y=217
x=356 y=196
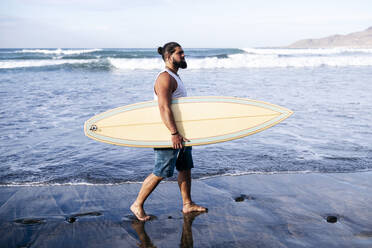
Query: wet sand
x=280 y=210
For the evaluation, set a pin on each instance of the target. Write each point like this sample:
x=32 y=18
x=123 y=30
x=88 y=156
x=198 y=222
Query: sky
x=194 y=24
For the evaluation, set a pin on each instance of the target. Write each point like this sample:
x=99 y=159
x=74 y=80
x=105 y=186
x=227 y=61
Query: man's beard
x=182 y=64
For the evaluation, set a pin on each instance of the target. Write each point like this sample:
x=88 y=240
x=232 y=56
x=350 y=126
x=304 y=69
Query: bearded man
x=169 y=85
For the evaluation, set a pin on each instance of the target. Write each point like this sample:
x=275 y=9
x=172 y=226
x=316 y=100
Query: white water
x=251 y=58
x=248 y=61
x=11 y=64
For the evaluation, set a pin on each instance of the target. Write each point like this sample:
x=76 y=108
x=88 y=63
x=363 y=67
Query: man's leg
x=148 y=186
x=184 y=182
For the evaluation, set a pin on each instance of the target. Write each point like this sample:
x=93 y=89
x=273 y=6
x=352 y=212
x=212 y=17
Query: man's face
x=178 y=58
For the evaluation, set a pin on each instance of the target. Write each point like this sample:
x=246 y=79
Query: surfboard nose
x=89 y=127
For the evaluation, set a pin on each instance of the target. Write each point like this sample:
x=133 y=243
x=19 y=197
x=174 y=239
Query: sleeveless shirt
x=180 y=90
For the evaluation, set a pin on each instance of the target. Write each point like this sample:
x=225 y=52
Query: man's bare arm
x=164 y=87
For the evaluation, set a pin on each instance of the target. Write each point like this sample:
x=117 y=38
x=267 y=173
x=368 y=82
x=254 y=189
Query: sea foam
x=247 y=58
x=12 y=64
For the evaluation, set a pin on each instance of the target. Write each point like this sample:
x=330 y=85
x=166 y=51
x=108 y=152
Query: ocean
x=47 y=95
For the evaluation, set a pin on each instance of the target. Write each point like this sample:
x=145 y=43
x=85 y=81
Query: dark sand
x=282 y=210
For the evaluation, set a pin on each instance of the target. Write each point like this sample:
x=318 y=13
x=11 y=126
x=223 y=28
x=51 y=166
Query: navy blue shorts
x=166 y=159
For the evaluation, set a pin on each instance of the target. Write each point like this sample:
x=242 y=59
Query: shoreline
x=77 y=184
x=255 y=210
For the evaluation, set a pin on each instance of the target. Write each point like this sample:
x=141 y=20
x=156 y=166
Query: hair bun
x=160 y=50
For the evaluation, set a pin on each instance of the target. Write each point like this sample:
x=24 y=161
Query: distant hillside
x=361 y=39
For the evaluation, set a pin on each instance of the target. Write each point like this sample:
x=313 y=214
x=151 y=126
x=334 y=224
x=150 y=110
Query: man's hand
x=177 y=141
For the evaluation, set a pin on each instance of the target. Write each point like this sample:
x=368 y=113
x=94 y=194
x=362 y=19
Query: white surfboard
x=202 y=120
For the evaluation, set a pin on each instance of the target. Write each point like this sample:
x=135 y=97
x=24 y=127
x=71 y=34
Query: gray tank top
x=180 y=91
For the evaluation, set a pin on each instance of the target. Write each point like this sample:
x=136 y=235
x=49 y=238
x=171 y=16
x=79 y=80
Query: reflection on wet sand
x=145 y=241
x=281 y=210
x=186 y=237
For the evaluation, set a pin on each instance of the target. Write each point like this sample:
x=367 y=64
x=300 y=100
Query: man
x=169 y=85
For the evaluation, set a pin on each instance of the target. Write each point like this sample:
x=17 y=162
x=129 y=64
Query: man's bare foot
x=192 y=207
x=138 y=211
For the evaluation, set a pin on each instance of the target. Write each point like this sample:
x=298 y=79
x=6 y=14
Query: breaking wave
x=147 y=59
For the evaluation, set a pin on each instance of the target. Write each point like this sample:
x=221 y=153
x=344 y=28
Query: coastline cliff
x=362 y=39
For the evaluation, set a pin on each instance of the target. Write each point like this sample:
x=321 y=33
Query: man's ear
x=169 y=57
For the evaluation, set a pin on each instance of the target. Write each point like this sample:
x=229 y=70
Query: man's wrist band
x=174 y=133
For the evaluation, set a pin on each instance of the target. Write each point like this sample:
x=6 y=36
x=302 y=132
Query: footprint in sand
x=30 y=221
x=74 y=217
x=244 y=197
x=331 y=219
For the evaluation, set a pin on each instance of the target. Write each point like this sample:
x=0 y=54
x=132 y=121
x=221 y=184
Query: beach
x=302 y=183
x=278 y=210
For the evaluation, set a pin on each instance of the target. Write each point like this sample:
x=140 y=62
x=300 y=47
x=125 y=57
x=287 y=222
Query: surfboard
x=203 y=120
